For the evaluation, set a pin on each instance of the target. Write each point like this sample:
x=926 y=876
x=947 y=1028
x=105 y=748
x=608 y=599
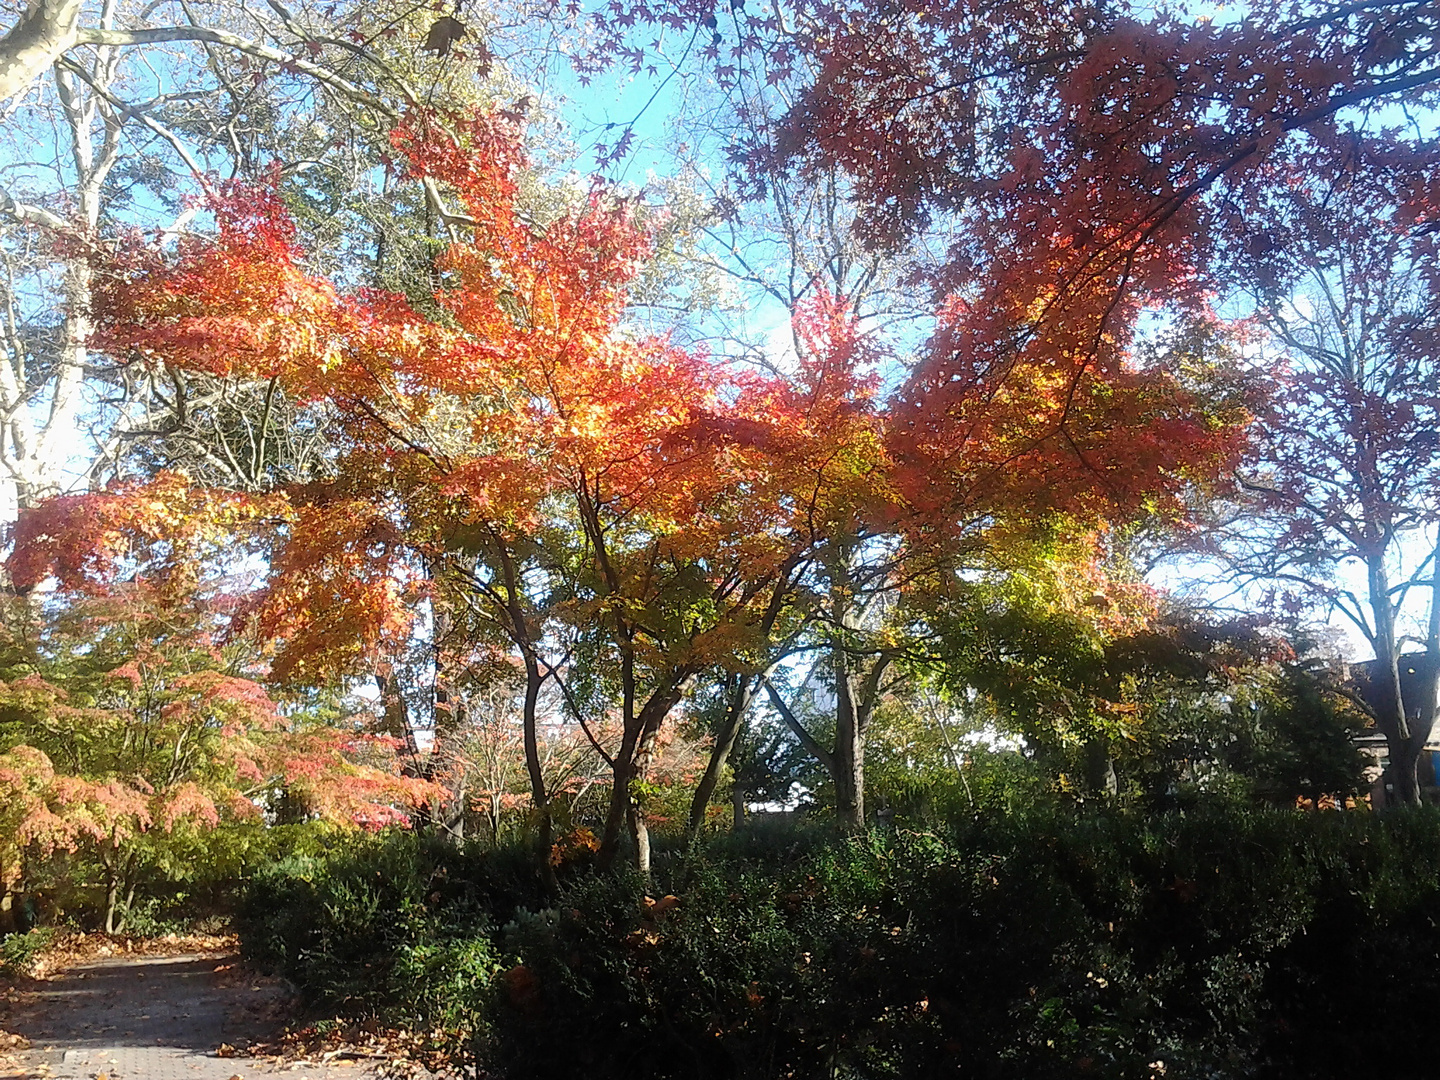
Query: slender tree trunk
x=725 y=739
x=741 y=696
x=1417 y=683
x=1392 y=714
x=637 y=748
x=114 y=882
x=635 y=810
x=622 y=774
x=539 y=797
x=9 y=917
x=640 y=836
x=449 y=719
x=127 y=907
x=623 y=766
x=849 y=753
x=454 y=820
x=521 y=634
x=737 y=806
x=857 y=696
x=493 y=818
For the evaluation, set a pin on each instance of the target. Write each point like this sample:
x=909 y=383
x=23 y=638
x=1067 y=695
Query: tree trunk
x=449 y=719
x=1417 y=689
x=849 y=753
x=1427 y=703
x=622 y=773
x=1391 y=709
x=493 y=818
x=112 y=901
x=539 y=797
x=637 y=747
x=857 y=694
x=45 y=32
x=640 y=836
x=37 y=453
x=126 y=906
x=1404 y=720
x=9 y=917
x=737 y=807
x=454 y=820
x=1100 y=779
x=725 y=740
x=1404 y=772
x=622 y=766
x=653 y=715
x=635 y=812
x=395 y=719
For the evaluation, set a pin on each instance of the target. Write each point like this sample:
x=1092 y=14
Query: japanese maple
x=125 y=728
x=518 y=469
x=131 y=713
x=519 y=464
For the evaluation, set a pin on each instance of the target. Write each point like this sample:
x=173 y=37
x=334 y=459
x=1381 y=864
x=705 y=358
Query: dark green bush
x=1219 y=942
x=385 y=927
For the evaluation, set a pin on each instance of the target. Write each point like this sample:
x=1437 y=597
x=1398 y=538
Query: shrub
x=381 y=928
x=18 y=952
x=1222 y=942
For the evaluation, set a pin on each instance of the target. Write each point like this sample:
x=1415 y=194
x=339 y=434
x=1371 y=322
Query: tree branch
x=807 y=740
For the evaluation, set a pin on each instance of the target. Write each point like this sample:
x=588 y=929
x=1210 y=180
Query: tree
x=510 y=455
x=1346 y=469
x=833 y=473
x=925 y=107
x=1084 y=165
x=1036 y=635
x=999 y=470
x=123 y=716
x=1093 y=150
x=124 y=114
x=522 y=462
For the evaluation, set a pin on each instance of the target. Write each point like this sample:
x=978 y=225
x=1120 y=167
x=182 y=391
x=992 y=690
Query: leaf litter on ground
x=397 y=1053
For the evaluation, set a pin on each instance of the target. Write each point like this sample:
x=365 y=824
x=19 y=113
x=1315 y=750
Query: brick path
x=156 y=1018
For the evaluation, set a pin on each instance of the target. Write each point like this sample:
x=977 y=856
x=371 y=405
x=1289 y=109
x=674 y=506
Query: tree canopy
x=461 y=431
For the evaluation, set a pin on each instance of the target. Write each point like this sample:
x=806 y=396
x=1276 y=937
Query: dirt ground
x=159 y=1017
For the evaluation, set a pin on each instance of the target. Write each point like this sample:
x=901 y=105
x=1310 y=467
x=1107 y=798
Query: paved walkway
x=156 y=1018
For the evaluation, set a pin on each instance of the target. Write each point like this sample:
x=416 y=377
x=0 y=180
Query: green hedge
x=1223 y=943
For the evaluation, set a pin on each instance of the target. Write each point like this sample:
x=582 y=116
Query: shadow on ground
x=153 y=1018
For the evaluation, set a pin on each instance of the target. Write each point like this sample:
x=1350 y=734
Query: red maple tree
x=520 y=467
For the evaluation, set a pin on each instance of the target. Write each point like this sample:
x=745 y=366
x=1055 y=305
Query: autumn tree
x=1017 y=406
x=1083 y=168
x=128 y=721
x=998 y=471
x=522 y=463
x=1093 y=151
x=825 y=439
x=118 y=116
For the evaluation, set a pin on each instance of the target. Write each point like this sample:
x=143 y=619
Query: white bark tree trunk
x=47 y=30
